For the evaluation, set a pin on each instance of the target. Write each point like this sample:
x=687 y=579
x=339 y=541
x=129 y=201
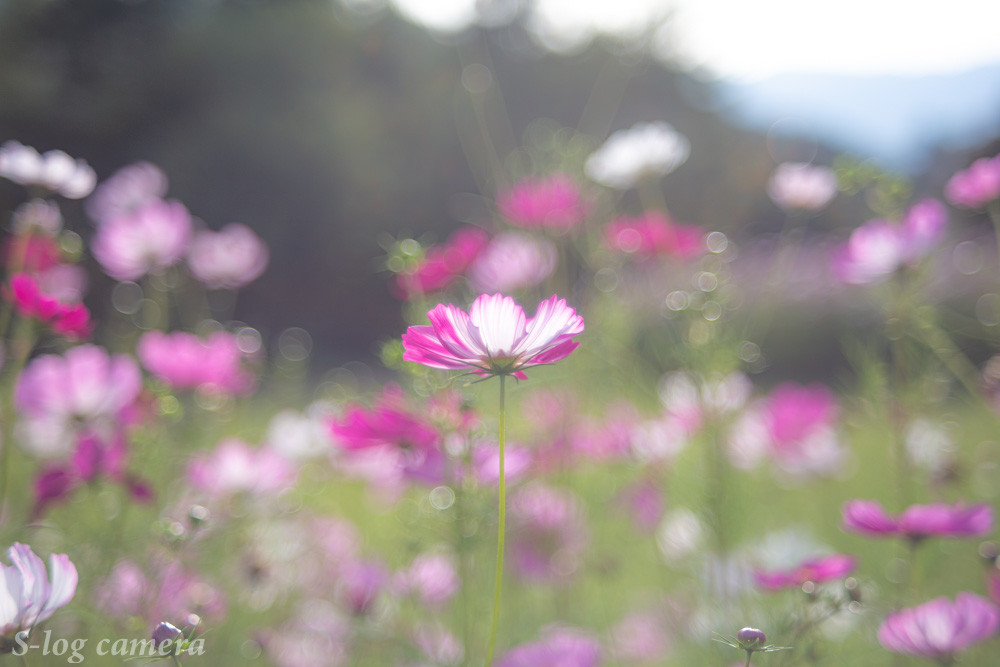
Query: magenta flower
x=147 y=240
x=816 y=570
x=126 y=191
x=494 y=337
x=236 y=467
x=513 y=261
x=70 y=320
x=654 y=235
x=976 y=186
x=867 y=517
x=396 y=434
x=29 y=252
x=558 y=647
x=800 y=186
x=442 y=264
x=553 y=203
x=29 y=594
x=185 y=361
x=940 y=628
x=228 y=259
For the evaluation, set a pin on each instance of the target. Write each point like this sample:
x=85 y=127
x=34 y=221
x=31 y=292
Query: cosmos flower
x=236 y=467
x=126 y=191
x=940 y=628
x=644 y=150
x=494 y=337
x=800 y=186
x=549 y=533
x=867 y=517
x=512 y=261
x=29 y=594
x=229 y=258
x=71 y=320
x=976 y=186
x=431 y=578
x=185 y=361
x=553 y=203
x=442 y=264
x=654 y=235
x=816 y=570
x=560 y=646
x=146 y=240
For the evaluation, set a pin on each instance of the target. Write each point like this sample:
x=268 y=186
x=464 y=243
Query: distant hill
x=897 y=120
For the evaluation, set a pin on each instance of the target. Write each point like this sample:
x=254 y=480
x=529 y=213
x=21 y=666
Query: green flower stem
x=749 y=655
x=500 y=532
x=20 y=347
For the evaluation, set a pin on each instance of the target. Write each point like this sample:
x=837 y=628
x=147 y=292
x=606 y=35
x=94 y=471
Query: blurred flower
x=37 y=215
x=548 y=533
x=817 y=570
x=629 y=156
x=940 y=628
x=441 y=647
x=929 y=445
x=167 y=591
x=84 y=390
x=495 y=337
x=127 y=191
x=794 y=426
x=560 y=646
x=431 y=578
x=867 y=517
x=680 y=535
x=801 y=186
x=70 y=320
x=403 y=442
x=228 y=259
x=319 y=634
x=976 y=186
x=146 y=240
x=29 y=594
x=553 y=203
x=643 y=500
x=879 y=248
x=441 y=265
x=93 y=458
x=30 y=252
x=185 y=361
x=236 y=467
x=55 y=171
x=641 y=638
x=512 y=261
x=486 y=462
x=361 y=584
x=298 y=436
x=654 y=235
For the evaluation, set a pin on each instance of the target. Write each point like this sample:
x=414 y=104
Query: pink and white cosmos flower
x=940 y=628
x=867 y=517
x=230 y=258
x=494 y=337
x=28 y=595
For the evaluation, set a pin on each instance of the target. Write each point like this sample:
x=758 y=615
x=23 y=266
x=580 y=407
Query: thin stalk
x=994 y=211
x=21 y=348
x=500 y=531
x=749 y=654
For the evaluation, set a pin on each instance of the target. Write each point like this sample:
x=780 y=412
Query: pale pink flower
x=166 y=591
x=55 y=170
x=86 y=389
x=126 y=191
x=29 y=594
x=553 y=203
x=441 y=647
x=228 y=259
x=432 y=578
x=801 y=186
x=629 y=156
x=643 y=500
x=560 y=646
x=185 y=361
x=976 y=186
x=495 y=337
x=236 y=467
x=641 y=638
x=868 y=517
x=442 y=264
x=362 y=584
x=940 y=628
x=39 y=215
x=319 y=634
x=548 y=534
x=817 y=570
x=147 y=240
x=879 y=248
x=512 y=261
x=653 y=234
x=486 y=463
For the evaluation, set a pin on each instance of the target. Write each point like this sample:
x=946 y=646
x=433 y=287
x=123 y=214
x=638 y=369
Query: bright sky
x=752 y=39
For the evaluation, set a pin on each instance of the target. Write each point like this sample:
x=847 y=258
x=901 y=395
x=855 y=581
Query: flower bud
x=751 y=639
x=163 y=633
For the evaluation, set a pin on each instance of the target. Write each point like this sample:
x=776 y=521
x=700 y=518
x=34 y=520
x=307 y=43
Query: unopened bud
x=165 y=632
x=751 y=639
